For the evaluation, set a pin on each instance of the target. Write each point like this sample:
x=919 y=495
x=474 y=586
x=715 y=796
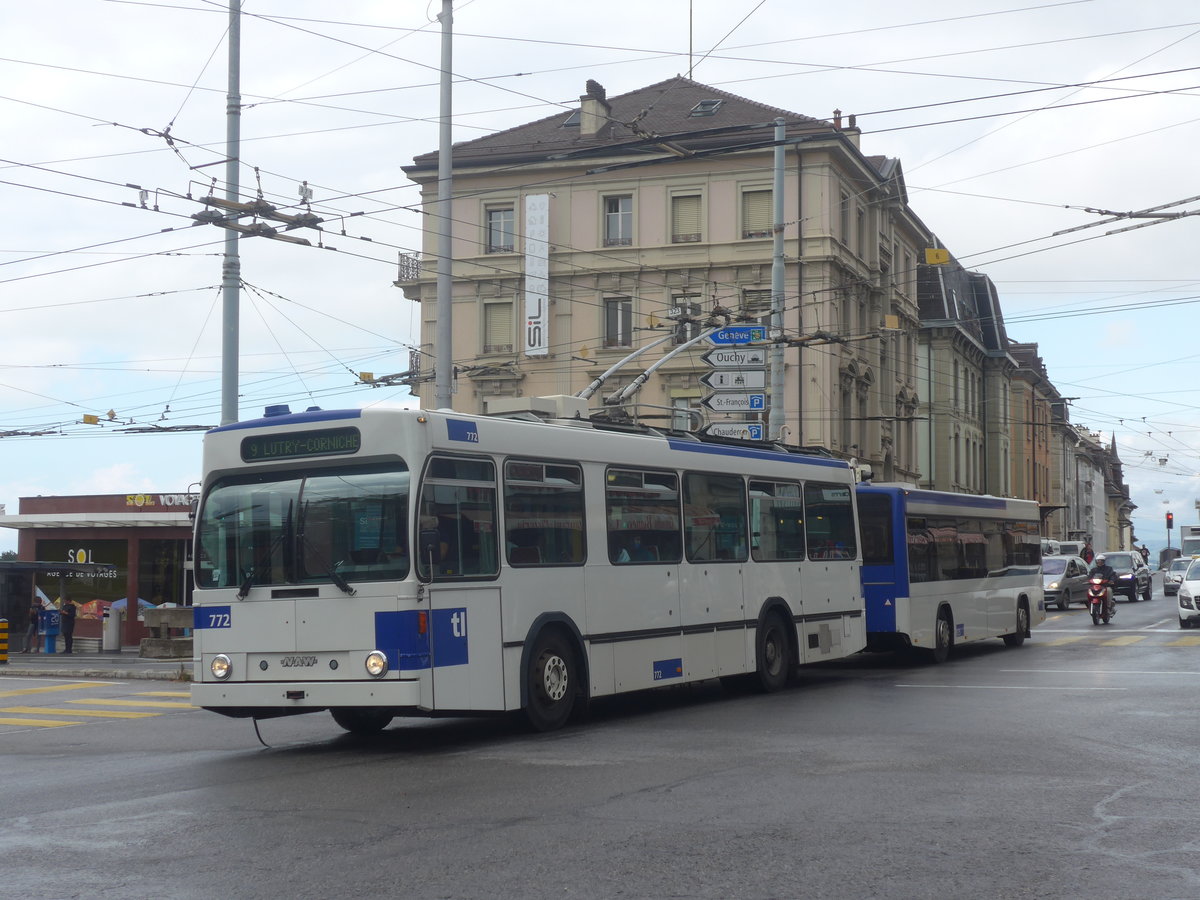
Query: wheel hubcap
x=554 y=678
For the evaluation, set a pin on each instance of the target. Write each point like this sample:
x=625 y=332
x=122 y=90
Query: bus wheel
x=943 y=638
x=364 y=720
x=774 y=654
x=1017 y=638
x=551 y=683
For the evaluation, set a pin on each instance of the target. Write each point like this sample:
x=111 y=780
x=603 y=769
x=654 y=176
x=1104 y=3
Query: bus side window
x=458 y=504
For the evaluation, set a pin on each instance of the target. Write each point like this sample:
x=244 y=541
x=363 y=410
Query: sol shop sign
x=168 y=500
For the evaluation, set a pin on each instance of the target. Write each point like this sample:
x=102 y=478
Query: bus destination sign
x=299 y=444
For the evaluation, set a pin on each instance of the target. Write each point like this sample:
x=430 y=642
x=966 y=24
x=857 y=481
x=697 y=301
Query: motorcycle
x=1099 y=598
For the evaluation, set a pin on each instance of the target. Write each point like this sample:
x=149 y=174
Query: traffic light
x=1170 y=520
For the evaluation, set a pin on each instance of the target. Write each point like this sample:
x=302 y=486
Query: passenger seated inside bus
x=636 y=551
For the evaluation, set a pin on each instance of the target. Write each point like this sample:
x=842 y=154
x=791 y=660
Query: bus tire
x=943 y=637
x=773 y=651
x=362 y=720
x=551 y=682
x=1017 y=638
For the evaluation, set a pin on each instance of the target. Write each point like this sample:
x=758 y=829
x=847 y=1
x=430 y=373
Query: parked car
x=1133 y=575
x=1189 y=595
x=1071 y=548
x=1174 y=575
x=1064 y=580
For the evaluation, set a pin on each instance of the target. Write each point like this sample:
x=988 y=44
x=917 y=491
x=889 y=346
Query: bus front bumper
x=305 y=696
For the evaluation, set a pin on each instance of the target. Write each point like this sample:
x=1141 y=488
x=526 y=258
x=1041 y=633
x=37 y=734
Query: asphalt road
x=1060 y=769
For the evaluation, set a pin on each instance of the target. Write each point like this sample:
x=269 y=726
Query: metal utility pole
x=231 y=266
x=777 y=416
x=443 y=364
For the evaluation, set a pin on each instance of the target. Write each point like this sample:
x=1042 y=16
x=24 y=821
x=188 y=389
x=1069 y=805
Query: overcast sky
x=1011 y=119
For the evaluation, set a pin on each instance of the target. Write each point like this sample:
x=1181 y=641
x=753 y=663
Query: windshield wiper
x=331 y=569
x=253 y=571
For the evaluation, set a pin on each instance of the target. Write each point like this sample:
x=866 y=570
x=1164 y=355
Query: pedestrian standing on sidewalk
x=31 y=633
x=68 y=623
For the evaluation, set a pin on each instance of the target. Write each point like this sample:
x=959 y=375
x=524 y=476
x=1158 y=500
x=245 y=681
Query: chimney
x=594 y=110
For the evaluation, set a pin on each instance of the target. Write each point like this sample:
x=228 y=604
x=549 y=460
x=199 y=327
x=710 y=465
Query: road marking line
x=87 y=713
x=37 y=723
x=1185 y=642
x=184 y=694
x=1010 y=687
x=159 y=704
x=1058 y=642
x=1123 y=641
x=1096 y=672
x=19 y=692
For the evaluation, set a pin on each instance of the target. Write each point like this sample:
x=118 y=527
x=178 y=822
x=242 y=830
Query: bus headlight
x=220 y=666
x=376 y=663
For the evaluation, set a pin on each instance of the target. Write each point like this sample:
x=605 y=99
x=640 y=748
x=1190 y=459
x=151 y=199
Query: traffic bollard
x=3 y=642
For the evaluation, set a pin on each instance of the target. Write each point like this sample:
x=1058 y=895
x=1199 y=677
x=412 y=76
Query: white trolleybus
x=381 y=563
x=941 y=569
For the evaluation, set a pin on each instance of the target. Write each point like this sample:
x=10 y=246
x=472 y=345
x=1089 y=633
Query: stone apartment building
x=661 y=199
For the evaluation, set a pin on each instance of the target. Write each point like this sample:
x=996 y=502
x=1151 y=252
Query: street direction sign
x=731 y=402
x=738 y=334
x=735 y=379
x=735 y=357
x=746 y=431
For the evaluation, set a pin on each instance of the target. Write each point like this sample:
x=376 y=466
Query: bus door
x=884 y=571
x=712 y=606
x=458 y=559
x=465 y=646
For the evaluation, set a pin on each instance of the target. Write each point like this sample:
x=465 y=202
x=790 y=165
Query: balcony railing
x=410 y=266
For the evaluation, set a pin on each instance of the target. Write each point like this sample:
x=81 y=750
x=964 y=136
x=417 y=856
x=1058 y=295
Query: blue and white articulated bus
x=379 y=563
x=941 y=569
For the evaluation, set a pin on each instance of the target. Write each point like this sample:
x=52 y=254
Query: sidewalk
x=123 y=666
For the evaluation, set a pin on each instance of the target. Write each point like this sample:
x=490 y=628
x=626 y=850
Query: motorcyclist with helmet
x=1103 y=570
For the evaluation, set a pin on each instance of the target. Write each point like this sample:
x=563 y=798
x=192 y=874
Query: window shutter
x=685 y=218
x=498 y=328
x=756 y=214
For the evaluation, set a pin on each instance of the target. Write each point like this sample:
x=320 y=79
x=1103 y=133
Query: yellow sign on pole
x=936 y=256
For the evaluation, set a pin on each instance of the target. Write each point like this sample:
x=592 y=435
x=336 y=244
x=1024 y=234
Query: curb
x=114 y=674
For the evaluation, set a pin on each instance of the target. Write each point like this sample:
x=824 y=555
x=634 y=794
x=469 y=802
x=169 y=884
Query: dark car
x=1064 y=579
x=1133 y=575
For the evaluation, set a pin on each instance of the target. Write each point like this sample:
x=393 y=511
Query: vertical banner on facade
x=537 y=274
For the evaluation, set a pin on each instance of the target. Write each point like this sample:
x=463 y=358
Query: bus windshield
x=336 y=525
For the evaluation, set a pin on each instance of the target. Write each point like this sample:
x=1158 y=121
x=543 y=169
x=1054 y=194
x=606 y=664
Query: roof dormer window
x=705 y=108
x=571 y=121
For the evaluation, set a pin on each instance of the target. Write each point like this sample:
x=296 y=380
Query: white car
x=1174 y=575
x=1189 y=595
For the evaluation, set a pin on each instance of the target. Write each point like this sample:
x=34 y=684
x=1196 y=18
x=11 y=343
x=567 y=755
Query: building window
x=498 y=327
x=618 y=322
x=689 y=306
x=705 y=108
x=685 y=218
x=844 y=219
x=681 y=418
x=756 y=214
x=618 y=221
x=500 y=229
x=756 y=303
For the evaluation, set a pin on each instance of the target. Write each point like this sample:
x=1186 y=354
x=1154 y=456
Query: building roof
x=666 y=110
x=97 y=520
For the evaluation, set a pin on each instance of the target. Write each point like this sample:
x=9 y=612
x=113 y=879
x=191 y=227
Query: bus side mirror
x=428 y=542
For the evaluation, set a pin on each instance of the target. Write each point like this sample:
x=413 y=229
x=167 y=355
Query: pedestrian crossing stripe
x=1058 y=642
x=1123 y=641
x=36 y=723
x=86 y=713
x=1193 y=641
x=20 y=692
x=183 y=694
x=157 y=704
